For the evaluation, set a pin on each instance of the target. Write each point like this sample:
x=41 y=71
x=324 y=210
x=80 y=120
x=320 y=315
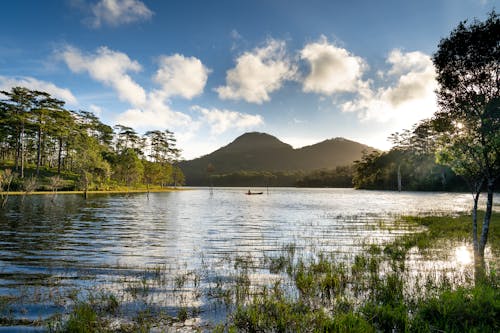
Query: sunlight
x=463 y=255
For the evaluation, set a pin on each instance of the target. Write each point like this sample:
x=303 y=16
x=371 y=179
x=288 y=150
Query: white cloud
x=118 y=12
x=223 y=120
x=178 y=75
x=155 y=114
x=258 y=73
x=95 y=109
x=181 y=76
x=109 y=67
x=411 y=97
x=6 y=83
x=333 y=69
x=408 y=62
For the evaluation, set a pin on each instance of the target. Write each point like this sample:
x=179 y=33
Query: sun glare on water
x=463 y=256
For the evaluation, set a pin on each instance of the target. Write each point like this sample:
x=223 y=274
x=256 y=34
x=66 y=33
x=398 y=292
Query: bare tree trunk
x=18 y=150
x=399 y=177
x=38 y=152
x=59 y=154
x=487 y=216
x=22 y=151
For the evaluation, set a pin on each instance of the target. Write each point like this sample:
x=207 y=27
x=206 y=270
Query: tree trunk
x=443 y=179
x=22 y=151
x=18 y=150
x=475 y=242
x=59 y=154
x=487 y=217
x=38 y=151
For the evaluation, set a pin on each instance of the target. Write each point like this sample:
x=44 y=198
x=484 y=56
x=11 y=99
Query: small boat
x=252 y=193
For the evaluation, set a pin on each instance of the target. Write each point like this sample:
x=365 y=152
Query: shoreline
x=169 y=189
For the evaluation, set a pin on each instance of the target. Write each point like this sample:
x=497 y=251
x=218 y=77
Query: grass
x=440 y=229
x=376 y=291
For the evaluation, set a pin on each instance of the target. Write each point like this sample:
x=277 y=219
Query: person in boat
x=249 y=192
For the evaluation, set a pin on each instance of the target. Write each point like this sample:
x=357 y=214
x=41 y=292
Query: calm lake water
x=50 y=246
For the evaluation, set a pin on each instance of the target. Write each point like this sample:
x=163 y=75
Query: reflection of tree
x=210 y=171
x=6 y=178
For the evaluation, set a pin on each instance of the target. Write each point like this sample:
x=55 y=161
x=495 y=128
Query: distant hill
x=263 y=152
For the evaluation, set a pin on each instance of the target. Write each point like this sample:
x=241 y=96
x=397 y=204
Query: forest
x=44 y=146
x=411 y=165
x=340 y=176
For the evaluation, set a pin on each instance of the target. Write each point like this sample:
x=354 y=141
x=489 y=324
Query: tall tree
x=64 y=128
x=127 y=137
x=468 y=68
x=43 y=112
x=18 y=105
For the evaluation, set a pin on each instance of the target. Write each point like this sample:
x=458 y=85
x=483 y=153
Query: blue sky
x=304 y=71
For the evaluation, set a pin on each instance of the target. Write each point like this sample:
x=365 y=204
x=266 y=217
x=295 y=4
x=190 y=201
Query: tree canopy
x=468 y=120
x=40 y=138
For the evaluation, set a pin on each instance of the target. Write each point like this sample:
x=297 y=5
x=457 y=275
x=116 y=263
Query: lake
x=52 y=248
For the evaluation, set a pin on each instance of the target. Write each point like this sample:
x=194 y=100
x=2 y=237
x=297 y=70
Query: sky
x=303 y=71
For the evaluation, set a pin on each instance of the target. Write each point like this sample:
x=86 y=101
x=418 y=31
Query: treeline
x=43 y=144
x=338 y=177
x=410 y=165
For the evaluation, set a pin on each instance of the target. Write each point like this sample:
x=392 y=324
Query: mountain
x=263 y=152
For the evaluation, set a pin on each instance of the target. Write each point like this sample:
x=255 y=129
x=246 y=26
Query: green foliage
x=128 y=168
x=463 y=310
x=341 y=176
x=41 y=139
x=468 y=121
x=83 y=319
x=418 y=172
x=373 y=293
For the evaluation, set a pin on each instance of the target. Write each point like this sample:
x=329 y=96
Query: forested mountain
x=258 y=153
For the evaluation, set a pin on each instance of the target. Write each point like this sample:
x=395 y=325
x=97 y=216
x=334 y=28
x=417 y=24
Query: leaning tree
x=467 y=65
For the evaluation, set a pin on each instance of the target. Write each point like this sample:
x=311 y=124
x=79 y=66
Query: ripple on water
x=48 y=249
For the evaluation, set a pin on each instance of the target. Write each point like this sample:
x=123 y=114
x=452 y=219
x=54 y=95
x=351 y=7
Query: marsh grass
x=377 y=290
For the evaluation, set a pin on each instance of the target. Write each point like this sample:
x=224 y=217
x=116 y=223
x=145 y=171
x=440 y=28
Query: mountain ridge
x=257 y=151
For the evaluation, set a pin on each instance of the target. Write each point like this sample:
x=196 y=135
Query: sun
x=462 y=255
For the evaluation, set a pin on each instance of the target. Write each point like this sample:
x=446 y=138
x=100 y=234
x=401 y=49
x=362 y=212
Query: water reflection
x=47 y=248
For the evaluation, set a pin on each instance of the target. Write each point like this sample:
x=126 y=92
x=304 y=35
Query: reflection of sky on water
x=113 y=237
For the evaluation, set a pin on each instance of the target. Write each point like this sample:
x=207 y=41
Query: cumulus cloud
x=156 y=113
x=119 y=12
x=177 y=75
x=95 y=109
x=109 y=67
x=258 y=73
x=332 y=69
x=409 y=99
x=223 y=120
x=6 y=83
x=181 y=76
